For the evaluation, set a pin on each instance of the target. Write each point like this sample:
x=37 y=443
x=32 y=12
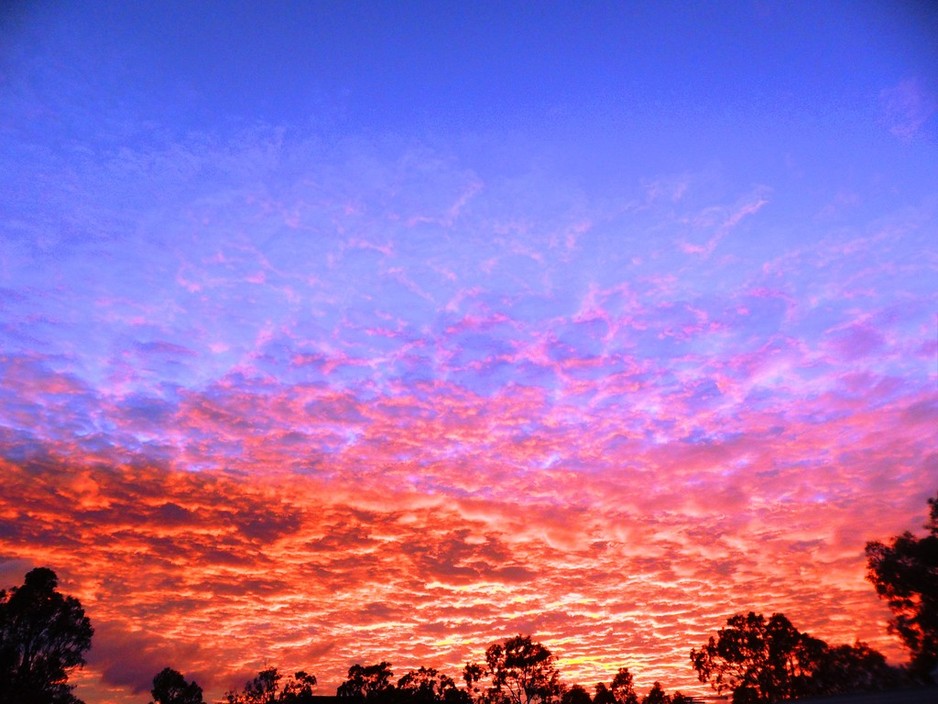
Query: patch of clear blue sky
x=554 y=69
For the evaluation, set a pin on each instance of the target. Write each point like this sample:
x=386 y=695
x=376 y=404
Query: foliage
x=656 y=695
x=264 y=688
x=576 y=695
x=768 y=661
x=372 y=682
x=298 y=689
x=428 y=686
x=623 y=687
x=170 y=687
x=854 y=668
x=43 y=635
x=473 y=674
x=603 y=695
x=758 y=660
x=520 y=671
x=905 y=574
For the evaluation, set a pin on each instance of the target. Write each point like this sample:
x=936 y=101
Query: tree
x=522 y=672
x=43 y=636
x=905 y=574
x=261 y=689
x=767 y=661
x=299 y=689
x=656 y=695
x=603 y=695
x=170 y=687
x=854 y=668
x=576 y=695
x=428 y=686
x=472 y=675
x=372 y=682
x=759 y=660
x=623 y=687
x=264 y=688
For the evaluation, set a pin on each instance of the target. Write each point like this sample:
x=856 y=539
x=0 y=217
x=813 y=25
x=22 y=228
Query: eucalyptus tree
x=905 y=574
x=43 y=637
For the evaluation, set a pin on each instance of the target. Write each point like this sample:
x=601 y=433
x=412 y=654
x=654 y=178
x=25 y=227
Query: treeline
x=518 y=671
x=45 y=634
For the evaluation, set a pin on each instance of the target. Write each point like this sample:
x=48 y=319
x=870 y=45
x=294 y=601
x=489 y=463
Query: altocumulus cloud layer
x=351 y=406
x=559 y=361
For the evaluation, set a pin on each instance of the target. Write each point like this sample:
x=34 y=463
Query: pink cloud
x=906 y=108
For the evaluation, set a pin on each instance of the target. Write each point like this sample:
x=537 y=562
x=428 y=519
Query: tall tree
x=260 y=689
x=522 y=671
x=298 y=689
x=576 y=694
x=371 y=682
x=758 y=660
x=905 y=574
x=623 y=687
x=603 y=695
x=428 y=686
x=170 y=687
x=264 y=688
x=656 y=695
x=43 y=636
x=768 y=661
x=854 y=668
x=473 y=674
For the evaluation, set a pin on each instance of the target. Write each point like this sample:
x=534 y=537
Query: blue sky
x=514 y=292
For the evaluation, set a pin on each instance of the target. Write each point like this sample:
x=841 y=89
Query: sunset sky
x=337 y=332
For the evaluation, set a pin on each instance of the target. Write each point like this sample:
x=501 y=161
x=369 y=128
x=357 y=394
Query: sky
x=339 y=332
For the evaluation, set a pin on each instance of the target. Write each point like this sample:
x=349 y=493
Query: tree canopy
x=769 y=660
x=905 y=574
x=576 y=695
x=428 y=686
x=370 y=682
x=170 y=687
x=43 y=636
x=264 y=688
x=623 y=687
x=656 y=695
x=518 y=671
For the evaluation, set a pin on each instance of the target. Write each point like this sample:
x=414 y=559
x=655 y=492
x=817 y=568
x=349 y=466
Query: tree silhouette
x=623 y=687
x=603 y=695
x=372 y=682
x=521 y=671
x=427 y=686
x=656 y=695
x=472 y=674
x=299 y=689
x=43 y=636
x=854 y=668
x=170 y=687
x=576 y=695
x=759 y=660
x=767 y=661
x=905 y=574
x=261 y=689
x=264 y=688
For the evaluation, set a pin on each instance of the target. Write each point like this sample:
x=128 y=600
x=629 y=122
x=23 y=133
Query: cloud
x=343 y=403
x=906 y=108
x=722 y=222
x=195 y=569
